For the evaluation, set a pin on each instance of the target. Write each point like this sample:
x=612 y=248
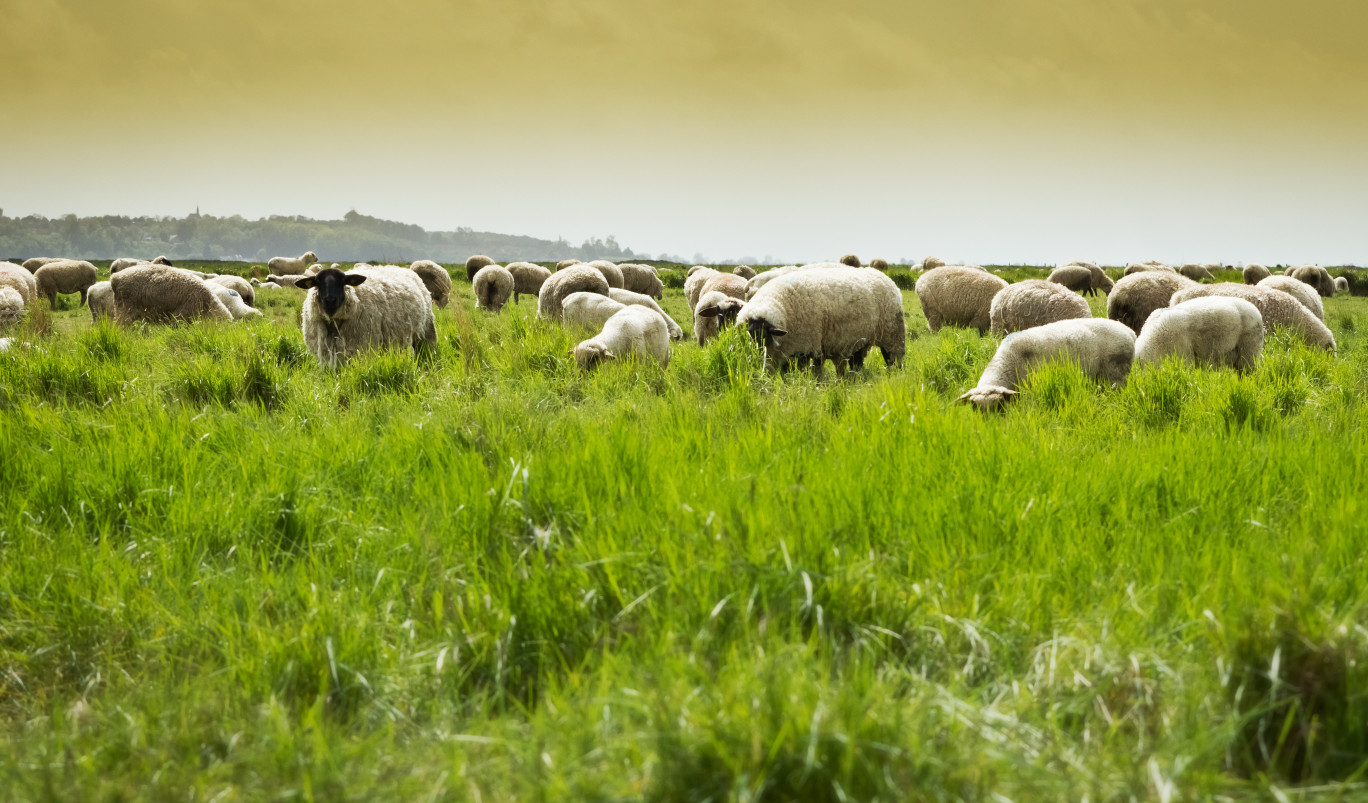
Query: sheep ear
x=775 y=332
x=963 y=399
x=305 y=283
x=609 y=355
x=710 y=312
x=353 y=279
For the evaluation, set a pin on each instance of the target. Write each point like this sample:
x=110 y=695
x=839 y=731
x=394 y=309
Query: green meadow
x=481 y=575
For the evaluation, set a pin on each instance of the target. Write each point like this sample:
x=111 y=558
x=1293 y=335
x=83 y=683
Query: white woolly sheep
x=123 y=262
x=728 y=284
x=1196 y=272
x=528 y=278
x=693 y=283
x=435 y=279
x=744 y=271
x=565 y=263
x=11 y=307
x=574 y=279
x=65 y=276
x=931 y=263
x=1214 y=331
x=715 y=310
x=642 y=279
x=32 y=265
x=267 y=285
x=1139 y=294
x=232 y=301
x=1317 y=277
x=695 y=269
x=1341 y=284
x=1304 y=293
x=1103 y=349
x=837 y=314
x=588 y=310
x=643 y=300
x=878 y=264
x=493 y=286
x=291 y=266
x=1276 y=307
x=958 y=296
x=368 y=308
x=850 y=260
x=1032 y=303
x=610 y=272
x=473 y=265
x=162 y=294
x=1255 y=273
x=21 y=281
x=1075 y=277
x=237 y=283
x=631 y=330
x=100 y=297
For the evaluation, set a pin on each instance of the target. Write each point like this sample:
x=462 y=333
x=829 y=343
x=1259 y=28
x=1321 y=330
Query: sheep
x=695 y=269
x=693 y=284
x=850 y=260
x=21 y=281
x=291 y=266
x=241 y=285
x=1075 y=277
x=1032 y=303
x=728 y=284
x=1139 y=294
x=610 y=272
x=1255 y=273
x=643 y=300
x=287 y=281
x=878 y=264
x=32 y=265
x=1100 y=279
x=641 y=279
x=1317 y=277
x=744 y=271
x=588 y=310
x=1276 y=307
x=1305 y=294
x=562 y=283
x=6 y=343
x=163 y=260
x=958 y=296
x=837 y=314
x=565 y=263
x=11 y=307
x=373 y=307
x=1289 y=270
x=1213 y=331
x=162 y=294
x=232 y=301
x=473 y=264
x=493 y=285
x=260 y=285
x=715 y=310
x=1196 y=272
x=66 y=276
x=1144 y=267
x=123 y=262
x=435 y=279
x=1211 y=267
x=1103 y=349
x=631 y=330
x=100 y=297
x=1341 y=284
x=754 y=284
x=528 y=278
x=931 y=263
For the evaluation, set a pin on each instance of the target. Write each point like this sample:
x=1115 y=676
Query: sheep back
x=1213 y=331
x=493 y=286
x=958 y=296
x=1305 y=294
x=1276 y=307
x=20 y=280
x=1103 y=349
x=1255 y=273
x=1316 y=277
x=643 y=300
x=241 y=285
x=588 y=310
x=1034 y=302
x=65 y=276
x=1140 y=293
x=527 y=278
x=100 y=297
x=161 y=294
x=574 y=279
x=473 y=265
x=632 y=330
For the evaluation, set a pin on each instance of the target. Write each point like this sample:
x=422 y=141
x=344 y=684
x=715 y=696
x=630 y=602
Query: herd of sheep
x=802 y=316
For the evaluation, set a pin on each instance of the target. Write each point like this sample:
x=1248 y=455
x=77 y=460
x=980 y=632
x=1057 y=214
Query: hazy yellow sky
x=980 y=130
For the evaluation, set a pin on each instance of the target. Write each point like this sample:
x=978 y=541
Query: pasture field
x=480 y=575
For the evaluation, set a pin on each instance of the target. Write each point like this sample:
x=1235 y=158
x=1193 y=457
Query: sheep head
x=331 y=287
x=725 y=311
x=588 y=355
x=310 y=257
x=988 y=397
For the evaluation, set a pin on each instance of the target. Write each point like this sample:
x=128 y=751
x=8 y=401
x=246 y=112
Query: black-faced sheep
x=373 y=307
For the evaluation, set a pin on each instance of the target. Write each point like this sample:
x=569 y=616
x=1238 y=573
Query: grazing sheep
x=1276 y=307
x=1143 y=267
x=32 y=265
x=493 y=285
x=837 y=314
x=693 y=284
x=528 y=278
x=562 y=283
x=1196 y=272
x=1341 y=284
x=232 y=301
x=715 y=310
x=850 y=260
x=367 y=308
x=631 y=330
x=435 y=279
x=474 y=263
x=1075 y=277
x=1317 y=277
x=11 y=307
x=65 y=276
x=123 y=262
x=291 y=266
x=1255 y=273
x=744 y=271
x=958 y=296
x=1304 y=293
x=565 y=263
x=1139 y=294
x=1103 y=349
x=878 y=264
x=241 y=285
x=100 y=297
x=610 y=272
x=162 y=294
x=728 y=284
x=931 y=263
x=643 y=300
x=1100 y=279
x=21 y=281
x=641 y=279
x=1032 y=303
x=588 y=310
x=1212 y=331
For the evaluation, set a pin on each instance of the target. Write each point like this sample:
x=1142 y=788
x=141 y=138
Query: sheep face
x=588 y=355
x=331 y=286
x=310 y=258
x=766 y=334
x=988 y=397
x=725 y=311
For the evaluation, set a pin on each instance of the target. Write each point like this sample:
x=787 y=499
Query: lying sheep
x=287 y=281
x=1276 y=307
x=715 y=310
x=12 y=309
x=100 y=297
x=1139 y=294
x=291 y=266
x=958 y=296
x=1032 y=303
x=21 y=281
x=161 y=294
x=232 y=301
x=1304 y=293
x=610 y=272
x=267 y=285
x=123 y=262
x=576 y=278
x=1341 y=284
x=527 y=278
x=878 y=264
x=744 y=271
x=64 y=276
x=368 y=308
x=850 y=260
x=493 y=285
x=631 y=330
x=1255 y=273
x=474 y=263
x=1196 y=272
x=242 y=286
x=1103 y=349
x=565 y=263
x=837 y=314
x=32 y=265
x=435 y=279
x=643 y=300
x=641 y=279
x=1214 y=331
x=588 y=310
x=1316 y=277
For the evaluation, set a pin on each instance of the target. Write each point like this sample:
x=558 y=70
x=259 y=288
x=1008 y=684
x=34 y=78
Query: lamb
x=1032 y=303
x=631 y=330
x=715 y=310
x=1304 y=293
x=435 y=279
x=958 y=296
x=368 y=308
x=588 y=310
x=1317 y=277
x=100 y=297
x=21 y=281
x=1139 y=294
x=65 y=276
x=850 y=260
x=610 y=272
x=562 y=283
x=641 y=279
x=32 y=265
x=878 y=264
x=232 y=301
x=1341 y=284
x=1255 y=273
x=11 y=308
x=1276 y=307
x=123 y=262
x=1103 y=349
x=744 y=271
x=1196 y=272
x=493 y=285
x=291 y=266
x=565 y=263
x=1214 y=331
x=837 y=314
x=643 y=300
x=161 y=294
x=528 y=278
x=239 y=284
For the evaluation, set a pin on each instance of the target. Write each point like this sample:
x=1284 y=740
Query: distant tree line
x=354 y=237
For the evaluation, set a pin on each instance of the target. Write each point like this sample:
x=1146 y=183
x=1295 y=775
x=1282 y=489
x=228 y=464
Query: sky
x=990 y=131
